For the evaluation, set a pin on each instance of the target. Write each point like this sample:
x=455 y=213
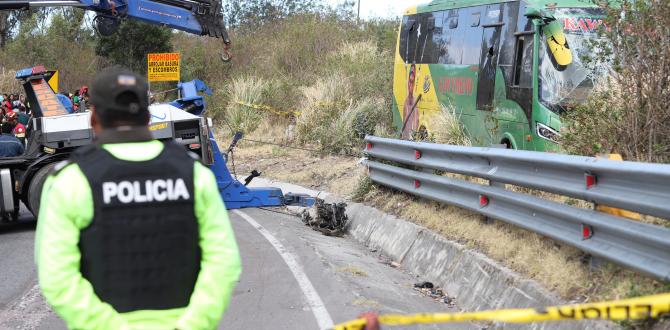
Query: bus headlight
x=547 y=133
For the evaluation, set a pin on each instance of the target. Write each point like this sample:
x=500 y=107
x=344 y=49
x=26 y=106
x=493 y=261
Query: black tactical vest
x=141 y=250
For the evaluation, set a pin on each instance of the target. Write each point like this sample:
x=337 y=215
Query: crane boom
x=201 y=17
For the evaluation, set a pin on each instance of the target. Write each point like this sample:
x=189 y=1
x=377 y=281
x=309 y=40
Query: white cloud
x=382 y=8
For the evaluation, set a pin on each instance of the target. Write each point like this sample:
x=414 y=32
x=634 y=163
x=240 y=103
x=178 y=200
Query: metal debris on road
x=436 y=293
x=329 y=219
x=424 y=285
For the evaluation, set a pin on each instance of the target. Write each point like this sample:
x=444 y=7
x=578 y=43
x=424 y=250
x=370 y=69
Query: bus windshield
x=562 y=88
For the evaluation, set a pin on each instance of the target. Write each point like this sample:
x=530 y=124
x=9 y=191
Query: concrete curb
x=476 y=281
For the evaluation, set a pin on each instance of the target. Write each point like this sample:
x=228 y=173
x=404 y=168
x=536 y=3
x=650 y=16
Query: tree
x=630 y=113
x=132 y=42
x=61 y=43
x=4 y=28
x=10 y=20
x=249 y=14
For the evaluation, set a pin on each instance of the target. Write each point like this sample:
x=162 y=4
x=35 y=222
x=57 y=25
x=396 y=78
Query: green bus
x=507 y=69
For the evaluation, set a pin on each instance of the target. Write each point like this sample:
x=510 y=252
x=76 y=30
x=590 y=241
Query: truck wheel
x=35 y=187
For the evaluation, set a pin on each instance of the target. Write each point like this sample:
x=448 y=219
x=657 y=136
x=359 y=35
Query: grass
x=368 y=303
x=449 y=129
x=353 y=271
x=8 y=81
x=243 y=93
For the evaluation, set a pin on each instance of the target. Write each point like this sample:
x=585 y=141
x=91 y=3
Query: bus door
x=489 y=58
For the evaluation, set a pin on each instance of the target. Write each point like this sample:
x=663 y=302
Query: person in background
x=23 y=100
x=10 y=146
x=4 y=109
x=7 y=104
x=18 y=130
x=23 y=116
x=83 y=99
x=117 y=257
x=75 y=101
x=17 y=104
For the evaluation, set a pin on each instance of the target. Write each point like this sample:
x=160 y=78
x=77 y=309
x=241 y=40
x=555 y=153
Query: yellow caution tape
x=629 y=309
x=269 y=108
x=282 y=112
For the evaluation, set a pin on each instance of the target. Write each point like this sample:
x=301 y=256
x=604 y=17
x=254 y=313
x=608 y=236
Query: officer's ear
x=95 y=122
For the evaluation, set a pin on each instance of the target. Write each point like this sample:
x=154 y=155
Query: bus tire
x=35 y=187
x=507 y=143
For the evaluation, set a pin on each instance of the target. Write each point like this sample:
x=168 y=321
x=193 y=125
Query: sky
x=383 y=8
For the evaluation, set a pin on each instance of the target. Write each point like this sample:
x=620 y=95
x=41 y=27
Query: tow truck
x=53 y=133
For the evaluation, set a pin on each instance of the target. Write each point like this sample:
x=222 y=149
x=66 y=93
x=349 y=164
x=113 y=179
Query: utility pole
x=358 y=17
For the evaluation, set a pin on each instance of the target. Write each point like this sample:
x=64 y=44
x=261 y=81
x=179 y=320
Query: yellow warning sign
x=53 y=81
x=163 y=67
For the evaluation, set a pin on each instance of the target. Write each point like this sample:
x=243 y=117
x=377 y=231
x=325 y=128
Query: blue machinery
x=201 y=17
x=235 y=194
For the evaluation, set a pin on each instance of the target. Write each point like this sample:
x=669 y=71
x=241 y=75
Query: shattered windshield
x=563 y=87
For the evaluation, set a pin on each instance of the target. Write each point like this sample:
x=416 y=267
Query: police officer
x=132 y=233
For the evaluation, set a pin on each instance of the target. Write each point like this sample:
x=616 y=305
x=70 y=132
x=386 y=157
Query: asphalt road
x=293 y=278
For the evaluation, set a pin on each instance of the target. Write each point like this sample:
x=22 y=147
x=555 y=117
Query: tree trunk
x=4 y=28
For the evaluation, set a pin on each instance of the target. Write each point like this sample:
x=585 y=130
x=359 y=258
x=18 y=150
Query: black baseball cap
x=119 y=94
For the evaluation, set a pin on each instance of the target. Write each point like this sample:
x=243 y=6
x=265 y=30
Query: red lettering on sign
x=574 y=24
x=459 y=86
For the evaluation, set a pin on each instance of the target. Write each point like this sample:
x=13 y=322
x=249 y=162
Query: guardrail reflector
x=417 y=184
x=587 y=232
x=590 y=181
x=369 y=146
x=483 y=201
x=417 y=154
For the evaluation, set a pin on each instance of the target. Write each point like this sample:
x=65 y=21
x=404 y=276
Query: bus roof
x=450 y=4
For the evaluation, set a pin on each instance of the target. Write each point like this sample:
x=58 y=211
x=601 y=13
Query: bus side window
x=472 y=42
x=518 y=61
x=403 y=38
x=523 y=61
x=452 y=40
x=476 y=17
x=434 y=31
x=452 y=19
x=408 y=36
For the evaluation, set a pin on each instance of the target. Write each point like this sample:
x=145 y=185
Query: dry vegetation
x=559 y=268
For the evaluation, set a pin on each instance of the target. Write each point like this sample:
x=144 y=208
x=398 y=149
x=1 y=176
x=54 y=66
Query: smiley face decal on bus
x=557 y=45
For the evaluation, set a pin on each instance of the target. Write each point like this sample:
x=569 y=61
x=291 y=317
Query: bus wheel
x=507 y=143
x=35 y=187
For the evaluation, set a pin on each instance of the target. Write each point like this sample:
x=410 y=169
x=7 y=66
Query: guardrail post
x=487 y=220
x=594 y=262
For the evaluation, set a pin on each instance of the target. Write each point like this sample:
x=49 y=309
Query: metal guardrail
x=640 y=187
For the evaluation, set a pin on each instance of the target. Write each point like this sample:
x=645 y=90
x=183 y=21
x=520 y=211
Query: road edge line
x=323 y=318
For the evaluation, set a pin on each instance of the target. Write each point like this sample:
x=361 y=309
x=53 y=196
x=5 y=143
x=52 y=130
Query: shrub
x=449 y=129
x=333 y=120
x=367 y=70
x=241 y=93
x=323 y=108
